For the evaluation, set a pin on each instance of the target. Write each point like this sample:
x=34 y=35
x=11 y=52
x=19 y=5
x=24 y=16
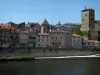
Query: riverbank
x=19 y=55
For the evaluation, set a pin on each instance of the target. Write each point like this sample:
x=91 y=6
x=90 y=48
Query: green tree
x=82 y=33
x=76 y=32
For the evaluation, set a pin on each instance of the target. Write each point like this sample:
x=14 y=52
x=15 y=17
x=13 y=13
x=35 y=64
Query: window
x=92 y=18
x=88 y=43
x=38 y=44
x=59 y=43
x=52 y=43
x=51 y=37
x=38 y=39
x=56 y=37
x=16 y=36
x=82 y=19
x=32 y=37
x=91 y=14
x=85 y=14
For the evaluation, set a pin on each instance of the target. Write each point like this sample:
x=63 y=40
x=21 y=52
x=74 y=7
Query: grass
x=16 y=58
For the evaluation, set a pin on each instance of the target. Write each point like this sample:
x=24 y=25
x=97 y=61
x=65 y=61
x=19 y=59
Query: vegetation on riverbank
x=17 y=58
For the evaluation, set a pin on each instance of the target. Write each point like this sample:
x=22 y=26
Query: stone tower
x=88 y=17
x=87 y=20
x=45 y=27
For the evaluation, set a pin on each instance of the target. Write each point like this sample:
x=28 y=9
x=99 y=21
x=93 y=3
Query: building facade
x=43 y=40
x=27 y=39
x=5 y=38
x=87 y=20
x=76 y=41
x=60 y=39
x=88 y=17
x=91 y=44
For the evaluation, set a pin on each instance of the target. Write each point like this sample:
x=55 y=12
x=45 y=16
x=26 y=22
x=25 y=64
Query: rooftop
x=5 y=25
x=91 y=41
x=97 y=21
x=45 y=34
x=58 y=31
x=45 y=22
x=75 y=35
x=90 y=9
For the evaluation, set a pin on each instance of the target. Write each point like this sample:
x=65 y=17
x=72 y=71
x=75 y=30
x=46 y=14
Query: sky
x=65 y=11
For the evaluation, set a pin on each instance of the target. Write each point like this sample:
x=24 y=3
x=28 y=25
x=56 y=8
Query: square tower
x=87 y=19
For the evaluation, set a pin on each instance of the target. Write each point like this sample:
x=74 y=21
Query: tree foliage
x=82 y=33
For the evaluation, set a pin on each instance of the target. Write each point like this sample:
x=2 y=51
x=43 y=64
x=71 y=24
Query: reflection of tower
x=45 y=27
x=88 y=17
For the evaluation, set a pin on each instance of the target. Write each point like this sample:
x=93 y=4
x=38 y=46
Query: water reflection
x=52 y=67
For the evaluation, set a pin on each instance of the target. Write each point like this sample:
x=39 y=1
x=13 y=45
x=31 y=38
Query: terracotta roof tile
x=75 y=35
x=45 y=22
x=91 y=41
x=5 y=25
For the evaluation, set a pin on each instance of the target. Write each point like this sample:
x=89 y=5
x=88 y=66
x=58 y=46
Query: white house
x=91 y=44
x=76 y=41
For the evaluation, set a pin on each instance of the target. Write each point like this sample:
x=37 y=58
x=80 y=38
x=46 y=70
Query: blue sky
x=53 y=10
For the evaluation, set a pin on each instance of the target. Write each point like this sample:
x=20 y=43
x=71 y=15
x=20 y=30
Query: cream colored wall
x=65 y=41
x=44 y=40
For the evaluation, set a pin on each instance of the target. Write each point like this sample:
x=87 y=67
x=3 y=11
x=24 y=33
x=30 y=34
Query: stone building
x=5 y=38
x=53 y=37
x=88 y=18
x=27 y=39
x=43 y=40
x=91 y=44
x=61 y=39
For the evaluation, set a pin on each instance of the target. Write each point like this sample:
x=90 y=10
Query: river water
x=79 y=66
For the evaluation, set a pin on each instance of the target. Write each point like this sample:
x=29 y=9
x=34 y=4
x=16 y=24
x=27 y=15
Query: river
x=90 y=66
